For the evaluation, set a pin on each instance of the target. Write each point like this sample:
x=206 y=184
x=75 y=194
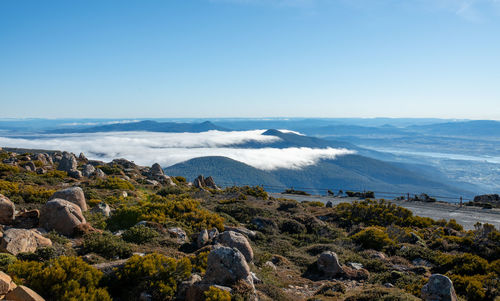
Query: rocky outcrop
x=439 y=288
x=226 y=266
x=15 y=241
x=236 y=240
x=328 y=264
x=7 y=210
x=74 y=195
x=61 y=216
x=23 y=293
x=69 y=164
x=156 y=173
x=88 y=170
x=27 y=219
x=203 y=183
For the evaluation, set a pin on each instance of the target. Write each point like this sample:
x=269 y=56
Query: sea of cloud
x=146 y=148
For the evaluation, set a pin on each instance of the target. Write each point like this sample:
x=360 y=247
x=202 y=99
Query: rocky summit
x=83 y=229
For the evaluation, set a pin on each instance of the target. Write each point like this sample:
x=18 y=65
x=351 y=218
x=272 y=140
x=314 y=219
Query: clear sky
x=250 y=58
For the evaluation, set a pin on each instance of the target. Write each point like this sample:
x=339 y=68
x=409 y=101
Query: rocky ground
x=78 y=229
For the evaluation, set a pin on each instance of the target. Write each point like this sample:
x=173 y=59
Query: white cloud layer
x=146 y=148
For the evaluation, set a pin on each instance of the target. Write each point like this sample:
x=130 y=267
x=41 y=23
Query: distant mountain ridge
x=145 y=125
x=346 y=172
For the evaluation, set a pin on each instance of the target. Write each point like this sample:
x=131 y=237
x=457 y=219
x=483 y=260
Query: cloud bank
x=146 y=148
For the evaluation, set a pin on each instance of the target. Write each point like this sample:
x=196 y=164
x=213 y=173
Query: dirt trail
x=466 y=216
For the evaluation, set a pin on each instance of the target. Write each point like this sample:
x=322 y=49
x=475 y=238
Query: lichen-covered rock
x=328 y=264
x=23 y=293
x=7 y=210
x=439 y=288
x=67 y=162
x=88 y=170
x=102 y=208
x=15 y=241
x=61 y=216
x=73 y=194
x=236 y=240
x=226 y=266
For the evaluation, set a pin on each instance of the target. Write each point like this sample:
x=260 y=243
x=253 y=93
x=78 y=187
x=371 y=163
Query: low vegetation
x=140 y=240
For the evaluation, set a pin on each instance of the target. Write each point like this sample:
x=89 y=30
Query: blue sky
x=250 y=58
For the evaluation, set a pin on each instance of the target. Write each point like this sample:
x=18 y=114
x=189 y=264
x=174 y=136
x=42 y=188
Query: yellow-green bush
x=6 y=259
x=63 y=278
x=162 y=209
x=155 y=273
x=471 y=287
x=199 y=262
x=140 y=234
x=6 y=168
x=373 y=238
x=114 y=183
x=217 y=294
x=106 y=245
x=376 y=213
x=8 y=188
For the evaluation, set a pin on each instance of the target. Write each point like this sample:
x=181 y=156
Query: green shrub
x=163 y=209
x=373 y=238
x=181 y=179
x=114 y=183
x=468 y=264
x=106 y=244
x=112 y=169
x=217 y=294
x=155 y=273
x=199 y=262
x=6 y=259
x=62 y=278
x=376 y=213
x=315 y=204
x=165 y=191
x=470 y=287
x=140 y=234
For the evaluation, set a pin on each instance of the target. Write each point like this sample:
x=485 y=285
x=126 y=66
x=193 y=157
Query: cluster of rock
x=28 y=162
x=204 y=183
x=156 y=175
x=10 y=291
x=227 y=264
x=23 y=232
x=65 y=161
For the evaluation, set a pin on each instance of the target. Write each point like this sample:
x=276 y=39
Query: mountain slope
x=351 y=172
x=224 y=170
